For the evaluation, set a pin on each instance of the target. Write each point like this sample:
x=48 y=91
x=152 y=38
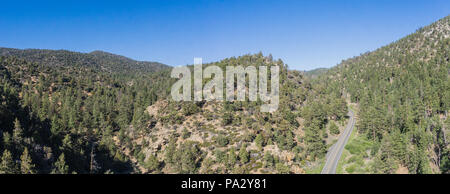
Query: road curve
x=335 y=151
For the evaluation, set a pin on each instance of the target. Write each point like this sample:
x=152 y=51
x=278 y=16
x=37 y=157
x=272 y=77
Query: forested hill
x=79 y=119
x=403 y=93
x=60 y=110
x=98 y=59
x=70 y=112
x=316 y=72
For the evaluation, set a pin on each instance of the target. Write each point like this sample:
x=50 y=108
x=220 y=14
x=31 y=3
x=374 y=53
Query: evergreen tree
x=232 y=157
x=315 y=145
x=26 y=164
x=60 y=166
x=289 y=140
x=243 y=155
x=268 y=159
x=259 y=140
x=18 y=132
x=152 y=163
x=7 y=165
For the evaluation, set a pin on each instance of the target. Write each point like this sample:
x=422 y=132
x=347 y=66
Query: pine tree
x=268 y=159
x=26 y=164
x=60 y=166
x=314 y=143
x=18 y=132
x=152 y=163
x=125 y=111
x=289 y=140
x=170 y=151
x=232 y=157
x=259 y=140
x=243 y=155
x=7 y=142
x=55 y=127
x=7 y=165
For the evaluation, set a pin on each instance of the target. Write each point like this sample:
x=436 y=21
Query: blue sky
x=304 y=33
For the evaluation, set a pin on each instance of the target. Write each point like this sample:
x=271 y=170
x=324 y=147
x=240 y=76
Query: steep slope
x=403 y=93
x=235 y=137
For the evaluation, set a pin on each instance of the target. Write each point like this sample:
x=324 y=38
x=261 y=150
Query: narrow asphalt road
x=335 y=151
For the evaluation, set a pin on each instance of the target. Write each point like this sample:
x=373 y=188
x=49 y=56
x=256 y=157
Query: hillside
x=62 y=115
x=68 y=112
x=235 y=137
x=99 y=60
x=72 y=118
x=403 y=96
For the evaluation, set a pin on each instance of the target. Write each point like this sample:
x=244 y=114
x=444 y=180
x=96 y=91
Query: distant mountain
x=316 y=72
x=98 y=59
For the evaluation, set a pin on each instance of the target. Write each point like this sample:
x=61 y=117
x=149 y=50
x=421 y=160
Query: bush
x=221 y=156
x=186 y=134
x=334 y=129
x=358 y=146
x=227 y=118
x=282 y=169
x=222 y=140
x=351 y=168
x=152 y=163
x=190 y=109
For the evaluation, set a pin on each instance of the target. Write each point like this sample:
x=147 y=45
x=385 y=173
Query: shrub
x=222 y=140
x=334 y=129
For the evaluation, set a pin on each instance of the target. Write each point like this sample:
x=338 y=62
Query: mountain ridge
x=97 y=59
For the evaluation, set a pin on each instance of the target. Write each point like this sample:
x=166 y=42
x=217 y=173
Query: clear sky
x=304 y=33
